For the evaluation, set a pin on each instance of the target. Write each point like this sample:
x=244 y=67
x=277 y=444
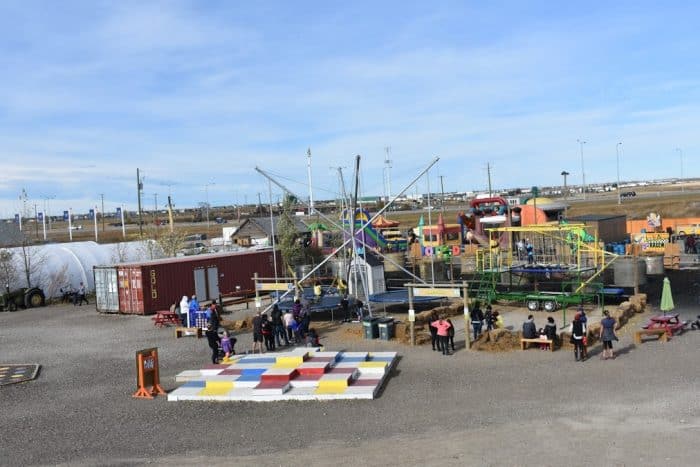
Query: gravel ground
x=471 y=408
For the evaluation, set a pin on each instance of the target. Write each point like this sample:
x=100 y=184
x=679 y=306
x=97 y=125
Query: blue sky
x=202 y=92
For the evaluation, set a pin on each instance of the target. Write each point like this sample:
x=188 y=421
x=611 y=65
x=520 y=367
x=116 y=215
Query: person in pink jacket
x=443 y=333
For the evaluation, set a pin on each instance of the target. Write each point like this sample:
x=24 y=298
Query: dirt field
x=471 y=408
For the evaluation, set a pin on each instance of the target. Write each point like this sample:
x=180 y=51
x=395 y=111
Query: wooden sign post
x=147 y=374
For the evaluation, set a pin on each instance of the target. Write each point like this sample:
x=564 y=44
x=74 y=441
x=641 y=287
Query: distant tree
x=32 y=262
x=8 y=268
x=172 y=242
x=290 y=247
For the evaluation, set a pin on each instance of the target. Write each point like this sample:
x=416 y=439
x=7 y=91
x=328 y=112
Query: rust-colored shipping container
x=147 y=287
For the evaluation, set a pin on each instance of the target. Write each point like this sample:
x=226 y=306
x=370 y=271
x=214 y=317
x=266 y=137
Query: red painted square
x=321 y=359
x=364 y=382
x=312 y=370
x=213 y=366
x=307 y=377
x=235 y=371
x=272 y=385
x=285 y=377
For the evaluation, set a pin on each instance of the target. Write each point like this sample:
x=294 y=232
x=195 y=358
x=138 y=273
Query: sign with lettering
x=274 y=286
x=436 y=292
x=147 y=374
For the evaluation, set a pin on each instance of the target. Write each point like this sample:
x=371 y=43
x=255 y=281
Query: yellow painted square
x=330 y=390
x=215 y=391
x=377 y=364
x=286 y=365
x=333 y=384
x=295 y=360
x=223 y=385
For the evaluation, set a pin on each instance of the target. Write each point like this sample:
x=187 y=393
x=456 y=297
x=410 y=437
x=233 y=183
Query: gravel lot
x=515 y=408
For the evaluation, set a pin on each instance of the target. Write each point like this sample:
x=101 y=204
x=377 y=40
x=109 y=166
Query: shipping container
x=106 y=289
x=151 y=286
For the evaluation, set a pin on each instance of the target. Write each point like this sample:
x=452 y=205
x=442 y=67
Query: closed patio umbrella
x=666 y=296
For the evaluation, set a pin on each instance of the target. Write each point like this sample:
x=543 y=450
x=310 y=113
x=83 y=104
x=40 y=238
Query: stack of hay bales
x=498 y=340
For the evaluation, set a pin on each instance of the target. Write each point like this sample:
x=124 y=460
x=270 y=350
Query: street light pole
x=583 y=170
x=564 y=174
x=617 y=154
x=680 y=151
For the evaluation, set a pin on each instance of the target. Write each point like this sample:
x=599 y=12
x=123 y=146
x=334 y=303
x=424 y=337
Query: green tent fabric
x=666 y=296
x=317 y=226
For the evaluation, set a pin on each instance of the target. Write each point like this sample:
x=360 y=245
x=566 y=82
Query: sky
x=197 y=94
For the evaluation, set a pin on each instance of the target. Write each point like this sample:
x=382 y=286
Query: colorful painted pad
x=301 y=374
x=11 y=374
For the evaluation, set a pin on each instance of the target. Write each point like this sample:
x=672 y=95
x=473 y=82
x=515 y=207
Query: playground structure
x=564 y=267
x=370 y=233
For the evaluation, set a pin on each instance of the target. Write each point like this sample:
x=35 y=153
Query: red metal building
x=147 y=287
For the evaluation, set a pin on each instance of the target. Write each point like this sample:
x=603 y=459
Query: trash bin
x=386 y=328
x=371 y=327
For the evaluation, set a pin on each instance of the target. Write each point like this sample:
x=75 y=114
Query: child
x=227 y=345
x=312 y=339
x=213 y=340
x=695 y=324
x=451 y=334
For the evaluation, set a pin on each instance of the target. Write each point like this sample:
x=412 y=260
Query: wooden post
x=467 y=344
x=411 y=316
x=258 y=303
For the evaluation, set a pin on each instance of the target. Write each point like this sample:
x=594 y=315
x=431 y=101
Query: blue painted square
x=253 y=372
x=257 y=361
x=381 y=359
x=249 y=377
x=351 y=359
x=194 y=384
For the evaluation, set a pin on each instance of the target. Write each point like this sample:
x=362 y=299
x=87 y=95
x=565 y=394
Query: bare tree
x=172 y=242
x=8 y=268
x=32 y=262
x=119 y=253
x=56 y=281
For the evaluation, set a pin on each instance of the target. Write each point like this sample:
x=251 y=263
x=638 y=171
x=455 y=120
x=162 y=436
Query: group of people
x=192 y=315
x=442 y=333
x=478 y=318
x=290 y=328
x=549 y=331
x=77 y=296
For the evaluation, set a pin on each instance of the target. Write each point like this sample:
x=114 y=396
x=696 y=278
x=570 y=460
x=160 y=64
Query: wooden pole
x=411 y=316
x=257 y=292
x=467 y=344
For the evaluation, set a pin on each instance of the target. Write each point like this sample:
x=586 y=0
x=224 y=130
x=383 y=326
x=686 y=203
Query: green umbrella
x=317 y=226
x=666 y=296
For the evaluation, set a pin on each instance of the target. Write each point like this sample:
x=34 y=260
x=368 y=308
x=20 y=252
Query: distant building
x=10 y=235
x=258 y=231
x=611 y=228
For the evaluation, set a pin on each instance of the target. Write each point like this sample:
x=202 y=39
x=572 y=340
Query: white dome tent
x=58 y=265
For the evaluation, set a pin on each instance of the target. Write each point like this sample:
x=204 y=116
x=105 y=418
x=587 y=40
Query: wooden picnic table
x=165 y=317
x=668 y=322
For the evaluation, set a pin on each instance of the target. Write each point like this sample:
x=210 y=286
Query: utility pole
x=442 y=194
x=102 y=213
x=260 y=203
x=311 y=193
x=387 y=173
x=36 y=223
x=155 y=209
x=488 y=172
x=583 y=170
x=139 y=188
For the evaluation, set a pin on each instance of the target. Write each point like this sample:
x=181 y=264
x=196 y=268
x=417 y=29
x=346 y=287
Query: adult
x=288 y=319
x=607 y=335
x=690 y=244
x=520 y=245
x=477 y=320
x=296 y=308
x=267 y=332
x=199 y=320
x=443 y=332
x=80 y=296
x=530 y=252
x=433 y=332
x=278 y=326
x=529 y=328
x=578 y=332
x=344 y=306
x=214 y=317
x=550 y=330
x=257 y=332
x=213 y=340
x=184 y=311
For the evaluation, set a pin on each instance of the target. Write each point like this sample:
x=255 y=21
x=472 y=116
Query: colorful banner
x=437 y=292
x=65 y=215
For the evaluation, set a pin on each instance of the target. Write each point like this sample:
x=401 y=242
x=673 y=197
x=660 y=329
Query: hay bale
x=626 y=305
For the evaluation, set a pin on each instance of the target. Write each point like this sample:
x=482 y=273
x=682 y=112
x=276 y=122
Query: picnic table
x=667 y=322
x=163 y=318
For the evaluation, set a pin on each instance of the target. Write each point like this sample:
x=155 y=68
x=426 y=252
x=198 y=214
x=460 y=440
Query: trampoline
x=399 y=296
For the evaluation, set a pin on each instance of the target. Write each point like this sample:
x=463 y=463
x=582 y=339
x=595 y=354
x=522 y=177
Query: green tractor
x=22 y=298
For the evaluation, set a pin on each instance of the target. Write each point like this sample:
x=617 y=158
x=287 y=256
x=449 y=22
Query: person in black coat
x=477 y=320
x=213 y=340
x=529 y=328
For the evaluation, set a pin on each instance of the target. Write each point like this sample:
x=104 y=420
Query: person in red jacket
x=443 y=332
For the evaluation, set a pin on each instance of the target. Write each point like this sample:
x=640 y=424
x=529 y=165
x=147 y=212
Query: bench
x=524 y=343
x=663 y=335
x=163 y=318
x=180 y=331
